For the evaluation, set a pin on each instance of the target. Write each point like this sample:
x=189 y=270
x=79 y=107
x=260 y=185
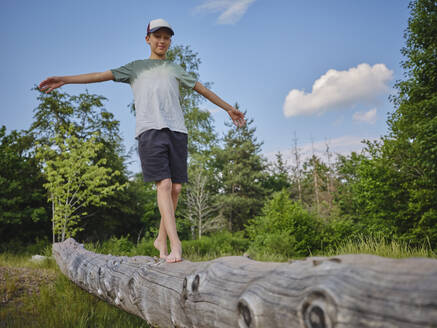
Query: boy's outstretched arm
x=236 y=116
x=54 y=82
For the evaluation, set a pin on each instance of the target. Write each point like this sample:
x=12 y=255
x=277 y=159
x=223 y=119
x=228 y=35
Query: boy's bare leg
x=167 y=201
x=160 y=242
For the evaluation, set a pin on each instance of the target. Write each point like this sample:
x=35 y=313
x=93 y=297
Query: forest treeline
x=296 y=208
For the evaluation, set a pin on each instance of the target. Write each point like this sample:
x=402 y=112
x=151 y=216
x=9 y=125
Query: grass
x=39 y=295
x=382 y=247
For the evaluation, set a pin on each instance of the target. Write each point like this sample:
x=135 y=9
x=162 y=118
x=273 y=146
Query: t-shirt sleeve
x=188 y=80
x=123 y=73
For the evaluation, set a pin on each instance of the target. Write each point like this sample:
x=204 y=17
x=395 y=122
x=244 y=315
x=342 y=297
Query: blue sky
x=322 y=70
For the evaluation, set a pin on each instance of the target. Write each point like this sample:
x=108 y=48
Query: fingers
x=239 y=122
x=49 y=84
x=238 y=118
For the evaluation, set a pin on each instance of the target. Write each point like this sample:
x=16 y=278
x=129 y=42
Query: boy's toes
x=173 y=259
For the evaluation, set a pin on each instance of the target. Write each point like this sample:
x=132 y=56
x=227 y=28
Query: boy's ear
x=147 y=38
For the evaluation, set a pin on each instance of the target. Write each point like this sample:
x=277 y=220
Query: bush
x=144 y=247
x=336 y=231
x=284 y=228
x=16 y=246
x=114 y=246
x=219 y=244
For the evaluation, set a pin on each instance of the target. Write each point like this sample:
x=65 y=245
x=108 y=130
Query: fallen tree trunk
x=345 y=291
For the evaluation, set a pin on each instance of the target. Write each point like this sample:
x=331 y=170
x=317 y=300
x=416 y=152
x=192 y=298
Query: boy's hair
x=156 y=24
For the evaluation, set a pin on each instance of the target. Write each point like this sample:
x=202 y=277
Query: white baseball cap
x=156 y=24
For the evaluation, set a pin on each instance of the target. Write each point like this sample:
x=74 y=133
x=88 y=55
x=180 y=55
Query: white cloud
x=230 y=11
x=367 y=117
x=339 y=89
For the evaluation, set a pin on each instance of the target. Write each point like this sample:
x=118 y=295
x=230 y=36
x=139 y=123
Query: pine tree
x=242 y=175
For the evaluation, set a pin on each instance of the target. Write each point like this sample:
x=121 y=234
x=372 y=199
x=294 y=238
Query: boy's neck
x=156 y=56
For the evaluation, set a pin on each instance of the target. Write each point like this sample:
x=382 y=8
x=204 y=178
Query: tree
x=297 y=169
x=397 y=187
x=86 y=116
x=75 y=179
x=412 y=142
x=23 y=205
x=314 y=186
x=241 y=176
x=278 y=177
x=345 y=197
x=140 y=213
x=201 y=207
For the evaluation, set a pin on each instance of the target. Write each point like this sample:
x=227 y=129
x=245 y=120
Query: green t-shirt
x=155 y=85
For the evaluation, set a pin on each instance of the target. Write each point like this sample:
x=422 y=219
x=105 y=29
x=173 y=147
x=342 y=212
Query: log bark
x=318 y=292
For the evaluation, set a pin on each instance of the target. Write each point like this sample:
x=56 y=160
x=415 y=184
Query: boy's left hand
x=237 y=117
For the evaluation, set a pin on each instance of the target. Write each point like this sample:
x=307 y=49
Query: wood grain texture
x=318 y=292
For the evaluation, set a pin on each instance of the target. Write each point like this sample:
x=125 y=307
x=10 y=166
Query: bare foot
x=175 y=254
x=161 y=246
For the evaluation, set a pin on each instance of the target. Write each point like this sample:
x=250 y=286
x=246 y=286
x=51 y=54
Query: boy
x=160 y=128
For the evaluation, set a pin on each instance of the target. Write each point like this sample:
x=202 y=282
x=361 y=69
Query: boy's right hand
x=237 y=117
x=51 y=83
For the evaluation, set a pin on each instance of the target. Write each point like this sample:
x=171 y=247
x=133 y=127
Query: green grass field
x=39 y=295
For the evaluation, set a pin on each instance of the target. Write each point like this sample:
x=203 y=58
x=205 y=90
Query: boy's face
x=159 y=42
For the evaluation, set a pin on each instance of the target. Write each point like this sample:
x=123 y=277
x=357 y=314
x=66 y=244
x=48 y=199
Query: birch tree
x=75 y=179
x=200 y=207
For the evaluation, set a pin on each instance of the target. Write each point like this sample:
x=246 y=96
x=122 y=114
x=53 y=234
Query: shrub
x=219 y=244
x=114 y=246
x=284 y=228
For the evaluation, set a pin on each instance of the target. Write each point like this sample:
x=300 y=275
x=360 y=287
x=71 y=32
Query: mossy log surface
x=318 y=292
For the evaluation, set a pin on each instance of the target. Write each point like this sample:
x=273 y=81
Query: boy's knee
x=176 y=188
x=164 y=185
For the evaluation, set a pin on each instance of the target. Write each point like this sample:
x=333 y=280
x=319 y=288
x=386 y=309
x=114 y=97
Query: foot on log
x=175 y=254
x=161 y=246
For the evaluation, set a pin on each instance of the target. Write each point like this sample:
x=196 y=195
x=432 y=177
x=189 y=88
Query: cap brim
x=160 y=27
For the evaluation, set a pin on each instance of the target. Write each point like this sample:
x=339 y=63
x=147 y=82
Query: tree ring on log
x=318 y=310
x=246 y=317
x=195 y=284
x=184 y=293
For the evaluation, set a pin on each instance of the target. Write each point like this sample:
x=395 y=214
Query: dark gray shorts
x=163 y=154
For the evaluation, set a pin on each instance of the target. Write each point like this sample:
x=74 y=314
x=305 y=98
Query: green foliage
x=278 y=177
x=86 y=116
x=131 y=211
x=242 y=175
x=412 y=143
x=17 y=246
x=215 y=245
x=347 y=176
x=395 y=187
x=202 y=137
x=22 y=197
x=115 y=246
x=58 y=111
x=74 y=180
x=284 y=228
